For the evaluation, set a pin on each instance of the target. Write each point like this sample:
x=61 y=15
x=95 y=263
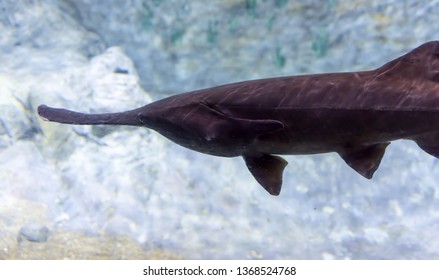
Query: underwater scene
x=126 y=192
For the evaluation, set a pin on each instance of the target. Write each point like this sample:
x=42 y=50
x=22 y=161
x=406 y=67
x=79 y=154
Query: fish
x=353 y=114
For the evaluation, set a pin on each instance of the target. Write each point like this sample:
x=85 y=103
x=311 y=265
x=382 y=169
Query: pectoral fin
x=365 y=159
x=267 y=170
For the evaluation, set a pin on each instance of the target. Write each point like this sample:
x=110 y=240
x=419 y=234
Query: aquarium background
x=121 y=192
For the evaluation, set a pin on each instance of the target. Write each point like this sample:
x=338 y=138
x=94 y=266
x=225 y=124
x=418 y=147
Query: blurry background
x=121 y=192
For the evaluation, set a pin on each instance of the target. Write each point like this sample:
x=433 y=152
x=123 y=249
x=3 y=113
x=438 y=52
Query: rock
x=34 y=233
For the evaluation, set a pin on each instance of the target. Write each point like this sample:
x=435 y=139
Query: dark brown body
x=354 y=114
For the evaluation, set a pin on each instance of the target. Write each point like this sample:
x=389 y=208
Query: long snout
x=70 y=117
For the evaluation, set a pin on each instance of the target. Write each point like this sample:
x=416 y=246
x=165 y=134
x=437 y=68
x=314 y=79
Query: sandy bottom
x=77 y=246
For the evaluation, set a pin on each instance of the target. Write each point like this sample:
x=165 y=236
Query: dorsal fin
x=267 y=170
x=422 y=61
x=364 y=159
